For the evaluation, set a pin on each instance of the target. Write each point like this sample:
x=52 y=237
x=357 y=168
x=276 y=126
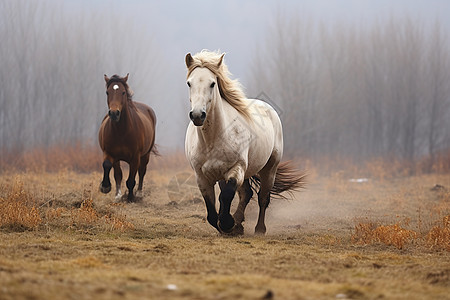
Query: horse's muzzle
x=197 y=117
x=114 y=115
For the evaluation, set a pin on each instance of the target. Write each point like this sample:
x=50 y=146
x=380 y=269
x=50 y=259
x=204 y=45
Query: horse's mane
x=117 y=78
x=230 y=90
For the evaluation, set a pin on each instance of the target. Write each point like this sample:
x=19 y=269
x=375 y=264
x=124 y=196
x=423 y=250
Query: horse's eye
x=212 y=85
x=123 y=93
x=189 y=84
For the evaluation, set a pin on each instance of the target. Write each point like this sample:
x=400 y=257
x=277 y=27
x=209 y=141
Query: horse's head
x=202 y=89
x=117 y=95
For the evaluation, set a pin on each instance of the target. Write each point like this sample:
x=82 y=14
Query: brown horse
x=127 y=133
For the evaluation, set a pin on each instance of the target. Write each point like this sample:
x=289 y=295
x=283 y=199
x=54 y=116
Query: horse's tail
x=155 y=151
x=287 y=179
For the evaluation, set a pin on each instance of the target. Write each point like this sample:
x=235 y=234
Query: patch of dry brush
x=88 y=216
x=394 y=234
x=19 y=211
x=366 y=233
x=439 y=235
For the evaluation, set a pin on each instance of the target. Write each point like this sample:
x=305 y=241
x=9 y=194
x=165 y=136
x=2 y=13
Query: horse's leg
x=207 y=190
x=263 y=201
x=105 y=185
x=142 y=170
x=245 y=194
x=131 y=181
x=234 y=179
x=227 y=192
x=118 y=179
x=267 y=175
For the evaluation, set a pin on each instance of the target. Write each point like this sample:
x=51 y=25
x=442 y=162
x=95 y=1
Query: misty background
x=356 y=79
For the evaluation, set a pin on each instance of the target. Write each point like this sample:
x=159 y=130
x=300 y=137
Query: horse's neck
x=215 y=123
x=125 y=118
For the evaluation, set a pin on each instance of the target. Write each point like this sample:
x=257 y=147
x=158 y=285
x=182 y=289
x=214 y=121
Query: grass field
x=384 y=238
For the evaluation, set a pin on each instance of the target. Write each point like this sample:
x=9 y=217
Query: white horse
x=234 y=141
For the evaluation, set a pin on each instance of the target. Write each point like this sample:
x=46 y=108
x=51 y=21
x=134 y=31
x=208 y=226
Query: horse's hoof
x=226 y=225
x=238 y=229
x=105 y=190
x=260 y=230
x=229 y=232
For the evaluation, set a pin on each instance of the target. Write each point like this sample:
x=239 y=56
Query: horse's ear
x=220 y=60
x=126 y=77
x=189 y=60
x=106 y=78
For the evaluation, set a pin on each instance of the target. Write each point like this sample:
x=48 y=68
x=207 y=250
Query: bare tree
x=438 y=91
x=358 y=92
x=52 y=71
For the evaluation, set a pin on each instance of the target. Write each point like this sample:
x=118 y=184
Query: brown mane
x=230 y=90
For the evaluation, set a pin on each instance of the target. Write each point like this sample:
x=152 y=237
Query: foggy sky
x=235 y=27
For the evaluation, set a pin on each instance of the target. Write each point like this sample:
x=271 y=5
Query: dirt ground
x=162 y=247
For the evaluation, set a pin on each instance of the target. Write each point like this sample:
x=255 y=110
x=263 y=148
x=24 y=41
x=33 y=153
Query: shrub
x=439 y=236
x=17 y=210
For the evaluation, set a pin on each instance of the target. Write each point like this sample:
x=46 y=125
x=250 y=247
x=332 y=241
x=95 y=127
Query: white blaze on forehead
x=115 y=87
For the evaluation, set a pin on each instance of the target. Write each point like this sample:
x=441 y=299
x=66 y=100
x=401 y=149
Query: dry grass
x=383 y=238
x=86 y=215
x=78 y=157
x=82 y=157
x=396 y=235
x=439 y=235
x=18 y=210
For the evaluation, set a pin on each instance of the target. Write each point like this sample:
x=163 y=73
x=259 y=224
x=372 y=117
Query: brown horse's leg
x=118 y=179
x=105 y=186
x=142 y=170
x=131 y=181
x=245 y=194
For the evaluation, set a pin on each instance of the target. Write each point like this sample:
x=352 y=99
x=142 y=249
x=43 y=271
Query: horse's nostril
x=203 y=115
x=114 y=114
x=191 y=115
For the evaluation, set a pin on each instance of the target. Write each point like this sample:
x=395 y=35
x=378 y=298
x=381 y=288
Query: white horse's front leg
x=207 y=191
x=234 y=179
